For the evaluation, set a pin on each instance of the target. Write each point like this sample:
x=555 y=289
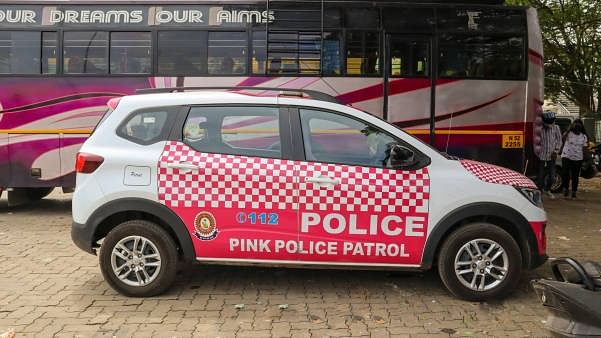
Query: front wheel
x=139 y=258
x=480 y=261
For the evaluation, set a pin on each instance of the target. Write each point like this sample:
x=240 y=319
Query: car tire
x=154 y=260
x=480 y=276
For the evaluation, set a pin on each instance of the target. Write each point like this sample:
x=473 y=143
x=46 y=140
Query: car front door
x=228 y=181
x=356 y=205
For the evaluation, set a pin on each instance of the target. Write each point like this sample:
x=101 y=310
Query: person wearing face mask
x=550 y=146
x=572 y=156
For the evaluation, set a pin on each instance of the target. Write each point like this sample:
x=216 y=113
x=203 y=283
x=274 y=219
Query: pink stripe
x=253 y=81
x=398 y=86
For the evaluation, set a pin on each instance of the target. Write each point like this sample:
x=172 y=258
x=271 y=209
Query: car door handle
x=322 y=180
x=183 y=166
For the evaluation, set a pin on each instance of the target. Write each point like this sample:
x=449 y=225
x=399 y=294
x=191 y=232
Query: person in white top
x=572 y=156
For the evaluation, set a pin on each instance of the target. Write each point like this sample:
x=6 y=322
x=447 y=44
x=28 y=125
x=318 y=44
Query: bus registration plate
x=513 y=141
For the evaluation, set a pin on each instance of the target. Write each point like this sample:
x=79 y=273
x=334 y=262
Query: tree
x=572 y=43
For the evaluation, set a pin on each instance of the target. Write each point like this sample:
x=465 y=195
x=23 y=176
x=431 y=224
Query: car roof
x=190 y=98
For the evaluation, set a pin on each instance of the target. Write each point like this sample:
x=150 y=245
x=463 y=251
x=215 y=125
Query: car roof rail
x=312 y=94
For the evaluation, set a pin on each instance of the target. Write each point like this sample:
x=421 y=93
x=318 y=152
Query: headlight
x=533 y=195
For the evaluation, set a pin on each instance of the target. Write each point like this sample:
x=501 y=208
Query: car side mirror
x=400 y=156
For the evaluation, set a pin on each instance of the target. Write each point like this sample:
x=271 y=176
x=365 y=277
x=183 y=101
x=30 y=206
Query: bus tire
x=480 y=261
x=22 y=196
x=148 y=269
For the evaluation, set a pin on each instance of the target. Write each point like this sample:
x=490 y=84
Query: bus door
x=407 y=83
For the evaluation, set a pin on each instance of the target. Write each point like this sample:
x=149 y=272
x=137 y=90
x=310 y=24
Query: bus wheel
x=20 y=196
x=480 y=261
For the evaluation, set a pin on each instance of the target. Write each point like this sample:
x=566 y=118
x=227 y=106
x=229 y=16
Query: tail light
x=87 y=163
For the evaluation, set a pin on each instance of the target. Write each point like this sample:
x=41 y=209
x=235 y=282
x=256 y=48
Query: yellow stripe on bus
x=272 y=131
x=464 y=132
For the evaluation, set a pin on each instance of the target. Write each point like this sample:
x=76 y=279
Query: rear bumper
x=83 y=237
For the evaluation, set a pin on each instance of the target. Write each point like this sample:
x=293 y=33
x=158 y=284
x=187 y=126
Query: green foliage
x=572 y=46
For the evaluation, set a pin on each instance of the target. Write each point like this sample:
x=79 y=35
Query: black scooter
x=573 y=299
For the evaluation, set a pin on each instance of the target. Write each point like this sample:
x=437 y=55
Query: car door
x=227 y=180
x=356 y=206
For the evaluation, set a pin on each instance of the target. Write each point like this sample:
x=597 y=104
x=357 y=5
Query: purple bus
x=466 y=77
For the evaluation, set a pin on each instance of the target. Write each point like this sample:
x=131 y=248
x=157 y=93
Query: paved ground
x=49 y=287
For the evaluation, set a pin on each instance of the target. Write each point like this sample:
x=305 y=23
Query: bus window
x=259 y=48
x=49 y=52
x=362 y=53
x=409 y=58
x=482 y=57
x=227 y=53
x=130 y=53
x=19 y=52
x=181 y=52
x=309 y=45
x=85 y=52
x=331 y=53
x=294 y=52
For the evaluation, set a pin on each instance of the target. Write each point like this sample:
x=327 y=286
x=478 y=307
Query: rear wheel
x=480 y=261
x=139 y=258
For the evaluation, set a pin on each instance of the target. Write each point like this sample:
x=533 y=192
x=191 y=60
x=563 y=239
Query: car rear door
x=354 y=207
x=228 y=179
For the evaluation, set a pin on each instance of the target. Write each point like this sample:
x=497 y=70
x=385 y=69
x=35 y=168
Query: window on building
x=362 y=53
x=182 y=52
x=482 y=57
x=131 y=53
x=228 y=53
x=20 y=52
x=85 y=52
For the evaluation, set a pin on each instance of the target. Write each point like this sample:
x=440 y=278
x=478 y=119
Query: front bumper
x=83 y=236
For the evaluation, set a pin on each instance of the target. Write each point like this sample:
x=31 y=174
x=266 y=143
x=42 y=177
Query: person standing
x=572 y=156
x=550 y=147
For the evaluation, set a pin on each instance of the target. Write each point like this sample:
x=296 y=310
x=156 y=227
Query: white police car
x=224 y=177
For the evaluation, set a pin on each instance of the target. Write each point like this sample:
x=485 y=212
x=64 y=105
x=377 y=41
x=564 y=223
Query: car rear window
x=148 y=126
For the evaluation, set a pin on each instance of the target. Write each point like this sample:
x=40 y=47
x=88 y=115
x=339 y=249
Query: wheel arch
x=111 y=214
x=500 y=215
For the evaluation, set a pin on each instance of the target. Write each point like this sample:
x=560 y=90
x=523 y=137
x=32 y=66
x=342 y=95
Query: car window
x=249 y=131
x=330 y=137
x=147 y=126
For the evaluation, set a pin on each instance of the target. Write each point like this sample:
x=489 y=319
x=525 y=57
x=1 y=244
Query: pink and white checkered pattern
x=364 y=189
x=225 y=181
x=499 y=175
x=229 y=181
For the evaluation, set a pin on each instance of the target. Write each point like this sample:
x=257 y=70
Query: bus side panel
x=535 y=90
x=34 y=160
x=4 y=160
x=482 y=120
x=47 y=120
